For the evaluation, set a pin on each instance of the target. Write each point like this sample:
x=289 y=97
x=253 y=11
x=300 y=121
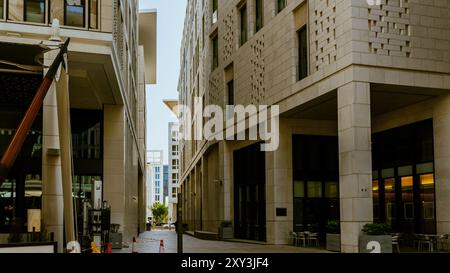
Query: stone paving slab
x=149 y=242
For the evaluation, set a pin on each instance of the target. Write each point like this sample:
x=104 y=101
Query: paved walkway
x=149 y=241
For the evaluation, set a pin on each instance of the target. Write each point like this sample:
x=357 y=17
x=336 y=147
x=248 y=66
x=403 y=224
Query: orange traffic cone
x=133 y=247
x=161 y=246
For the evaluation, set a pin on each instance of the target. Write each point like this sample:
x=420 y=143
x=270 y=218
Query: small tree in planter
x=376 y=238
x=226 y=230
x=333 y=236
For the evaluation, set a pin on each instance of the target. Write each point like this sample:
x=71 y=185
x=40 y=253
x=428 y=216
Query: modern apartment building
x=364 y=95
x=174 y=165
x=155 y=187
x=111 y=58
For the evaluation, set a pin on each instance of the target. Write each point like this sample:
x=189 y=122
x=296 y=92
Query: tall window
x=244 y=22
x=215 y=59
x=302 y=54
x=93 y=13
x=281 y=4
x=259 y=11
x=34 y=11
x=74 y=13
x=1 y=9
x=214 y=11
x=230 y=89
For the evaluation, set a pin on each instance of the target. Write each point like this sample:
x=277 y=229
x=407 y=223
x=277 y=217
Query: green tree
x=160 y=213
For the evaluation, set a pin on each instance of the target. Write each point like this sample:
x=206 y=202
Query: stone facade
x=359 y=56
x=106 y=73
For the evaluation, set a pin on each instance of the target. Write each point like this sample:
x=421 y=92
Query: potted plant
x=226 y=230
x=376 y=238
x=333 y=236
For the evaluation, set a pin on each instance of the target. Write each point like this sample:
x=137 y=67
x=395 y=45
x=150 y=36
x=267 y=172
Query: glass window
x=302 y=54
x=427 y=195
x=386 y=173
x=424 y=168
x=2 y=9
x=230 y=89
x=243 y=22
x=331 y=190
x=281 y=4
x=376 y=198
x=215 y=59
x=34 y=11
x=405 y=170
x=93 y=14
x=299 y=189
x=74 y=13
x=259 y=11
x=214 y=11
x=389 y=192
x=314 y=189
x=407 y=197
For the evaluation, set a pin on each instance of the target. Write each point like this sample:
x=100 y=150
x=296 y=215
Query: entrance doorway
x=249 y=193
x=316 y=182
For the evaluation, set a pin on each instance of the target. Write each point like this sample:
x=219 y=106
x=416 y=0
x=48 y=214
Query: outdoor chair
x=395 y=242
x=443 y=242
x=301 y=237
x=313 y=239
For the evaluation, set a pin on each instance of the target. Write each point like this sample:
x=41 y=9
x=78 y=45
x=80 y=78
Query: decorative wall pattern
x=228 y=37
x=389 y=28
x=324 y=34
x=214 y=94
x=257 y=61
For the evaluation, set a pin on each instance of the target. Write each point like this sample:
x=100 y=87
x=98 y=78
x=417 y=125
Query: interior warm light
x=407 y=182
x=427 y=179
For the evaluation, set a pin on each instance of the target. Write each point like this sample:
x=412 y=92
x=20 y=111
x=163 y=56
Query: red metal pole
x=15 y=146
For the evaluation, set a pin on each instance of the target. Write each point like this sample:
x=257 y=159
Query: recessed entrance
x=249 y=193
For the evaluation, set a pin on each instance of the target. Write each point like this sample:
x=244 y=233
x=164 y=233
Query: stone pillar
x=279 y=189
x=441 y=128
x=355 y=162
x=52 y=190
x=114 y=162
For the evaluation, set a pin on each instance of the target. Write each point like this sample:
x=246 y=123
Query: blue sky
x=170 y=28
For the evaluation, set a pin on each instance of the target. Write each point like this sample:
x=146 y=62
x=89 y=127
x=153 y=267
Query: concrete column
x=114 y=162
x=52 y=190
x=226 y=170
x=279 y=189
x=441 y=127
x=355 y=162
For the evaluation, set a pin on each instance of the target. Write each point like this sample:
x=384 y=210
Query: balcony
x=78 y=14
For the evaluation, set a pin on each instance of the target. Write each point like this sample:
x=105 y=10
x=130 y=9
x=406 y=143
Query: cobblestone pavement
x=149 y=242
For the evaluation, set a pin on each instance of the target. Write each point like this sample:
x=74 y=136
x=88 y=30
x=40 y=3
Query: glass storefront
x=22 y=189
x=316 y=187
x=403 y=178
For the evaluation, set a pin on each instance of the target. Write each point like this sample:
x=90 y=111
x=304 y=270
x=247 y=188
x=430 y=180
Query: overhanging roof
x=147 y=38
x=172 y=104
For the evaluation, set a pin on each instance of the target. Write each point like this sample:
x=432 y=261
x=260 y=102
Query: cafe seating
x=313 y=239
x=443 y=242
x=395 y=241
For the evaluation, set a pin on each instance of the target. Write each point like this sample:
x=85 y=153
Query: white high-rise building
x=174 y=162
x=154 y=179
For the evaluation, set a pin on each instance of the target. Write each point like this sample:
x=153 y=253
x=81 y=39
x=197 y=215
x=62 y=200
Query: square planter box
x=334 y=242
x=226 y=233
x=375 y=244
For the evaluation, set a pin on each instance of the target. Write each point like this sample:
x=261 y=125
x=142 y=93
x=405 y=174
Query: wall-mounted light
x=218 y=181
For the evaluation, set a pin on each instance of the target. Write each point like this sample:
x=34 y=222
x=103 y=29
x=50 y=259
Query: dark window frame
x=259 y=15
x=215 y=51
x=230 y=92
x=243 y=26
x=83 y=3
x=25 y=2
x=281 y=7
x=302 y=36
